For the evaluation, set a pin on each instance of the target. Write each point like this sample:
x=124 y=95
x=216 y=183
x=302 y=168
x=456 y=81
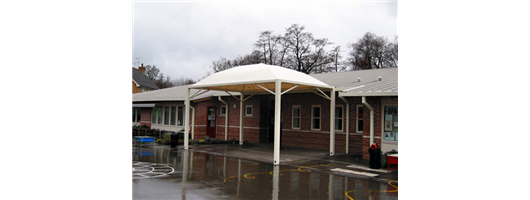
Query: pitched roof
x=177 y=93
x=345 y=82
x=142 y=80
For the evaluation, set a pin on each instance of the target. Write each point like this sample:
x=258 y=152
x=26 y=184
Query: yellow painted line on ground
x=286 y=170
x=250 y=176
x=389 y=182
x=229 y=178
x=300 y=168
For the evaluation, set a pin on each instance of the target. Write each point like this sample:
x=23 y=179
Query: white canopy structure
x=259 y=79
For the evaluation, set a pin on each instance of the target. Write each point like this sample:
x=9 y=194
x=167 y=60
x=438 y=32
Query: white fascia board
x=367 y=94
x=258 y=82
x=227 y=84
x=137 y=85
x=308 y=84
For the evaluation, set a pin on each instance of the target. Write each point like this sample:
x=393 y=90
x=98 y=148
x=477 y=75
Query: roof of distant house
x=142 y=80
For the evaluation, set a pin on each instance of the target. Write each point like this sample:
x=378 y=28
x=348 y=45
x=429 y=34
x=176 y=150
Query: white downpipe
x=371 y=119
x=226 y=118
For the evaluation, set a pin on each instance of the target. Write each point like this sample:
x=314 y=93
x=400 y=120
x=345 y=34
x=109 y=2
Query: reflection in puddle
x=206 y=176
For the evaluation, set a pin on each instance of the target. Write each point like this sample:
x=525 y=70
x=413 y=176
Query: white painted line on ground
x=366 y=168
x=354 y=172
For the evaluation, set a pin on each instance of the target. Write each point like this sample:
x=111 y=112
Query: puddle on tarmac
x=179 y=174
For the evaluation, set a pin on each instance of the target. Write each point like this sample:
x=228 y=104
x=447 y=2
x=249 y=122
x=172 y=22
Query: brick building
x=366 y=103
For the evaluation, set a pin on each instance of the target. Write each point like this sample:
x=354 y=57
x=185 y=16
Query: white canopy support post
x=249 y=96
x=290 y=89
x=322 y=94
x=241 y=118
x=187 y=122
x=264 y=88
x=332 y=123
x=197 y=93
x=233 y=95
x=277 y=111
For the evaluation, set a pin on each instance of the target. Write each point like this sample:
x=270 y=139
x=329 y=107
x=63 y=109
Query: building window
x=359 y=117
x=315 y=117
x=160 y=115
x=338 y=117
x=173 y=115
x=390 y=129
x=137 y=114
x=296 y=117
x=156 y=115
x=223 y=110
x=166 y=115
x=180 y=117
x=248 y=110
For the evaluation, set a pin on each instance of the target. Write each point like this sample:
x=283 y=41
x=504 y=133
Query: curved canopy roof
x=247 y=78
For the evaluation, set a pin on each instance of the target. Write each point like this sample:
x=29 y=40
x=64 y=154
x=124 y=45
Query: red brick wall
x=251 y=124
x=318 y=139
x=256 y=127
x=145 y=118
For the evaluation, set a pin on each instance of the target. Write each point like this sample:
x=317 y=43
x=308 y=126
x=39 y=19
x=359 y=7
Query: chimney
x=142 y=69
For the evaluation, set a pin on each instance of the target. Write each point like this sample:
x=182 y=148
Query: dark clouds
x=183 y=38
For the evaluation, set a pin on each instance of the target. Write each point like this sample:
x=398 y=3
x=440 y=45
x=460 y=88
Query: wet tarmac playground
x=173 y=173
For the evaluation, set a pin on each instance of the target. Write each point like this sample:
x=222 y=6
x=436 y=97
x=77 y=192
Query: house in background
x=140 y=81
x=365 y=111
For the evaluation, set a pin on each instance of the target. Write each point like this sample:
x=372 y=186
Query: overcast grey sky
x=183 y=38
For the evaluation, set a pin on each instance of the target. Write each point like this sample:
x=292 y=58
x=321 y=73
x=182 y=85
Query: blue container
x=145 y=139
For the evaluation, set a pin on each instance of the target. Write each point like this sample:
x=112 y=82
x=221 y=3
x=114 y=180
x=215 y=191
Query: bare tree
x=183 y=81
x=224 y=64
x=337 y=59
x=221 y=64
x=296 y=50
x=151 y=72
x=306 y=54
x=162 y=81
x=266 y=45
x=372 y=52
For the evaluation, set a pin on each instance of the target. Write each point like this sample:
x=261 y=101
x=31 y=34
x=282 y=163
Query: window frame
x=319 y=117
x=180 y=111
x=221 y=110
x=299 y=117
x=359 y=119
x=383 y=123
x=342 y=118
x=251 y=110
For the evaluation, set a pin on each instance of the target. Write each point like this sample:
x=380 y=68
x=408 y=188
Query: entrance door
x=271 y=126
x=210 y=125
